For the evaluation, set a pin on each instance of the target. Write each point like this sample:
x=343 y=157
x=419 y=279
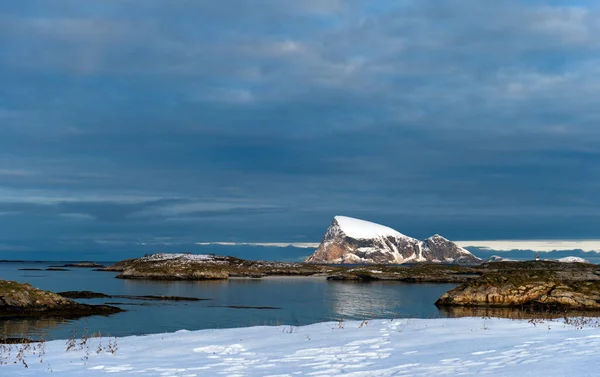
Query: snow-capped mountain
x=353 y=241
x=573 y=260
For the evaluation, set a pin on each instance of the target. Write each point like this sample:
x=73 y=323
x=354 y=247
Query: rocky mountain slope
x=354 y=241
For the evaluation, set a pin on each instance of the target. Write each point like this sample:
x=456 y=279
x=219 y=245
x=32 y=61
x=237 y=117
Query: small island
x=82 y=265
x=209 y=267
x=23 y=300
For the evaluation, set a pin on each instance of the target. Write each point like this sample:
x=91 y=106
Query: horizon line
x=547 y=245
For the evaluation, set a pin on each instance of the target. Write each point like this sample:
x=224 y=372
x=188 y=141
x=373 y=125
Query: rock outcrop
x=208 y=267
x=23 y=300
x=526 y=286
x=354 y=241
x=90 y=294
x=176 y=267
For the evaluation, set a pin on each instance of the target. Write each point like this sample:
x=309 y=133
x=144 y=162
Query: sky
x=164 y=122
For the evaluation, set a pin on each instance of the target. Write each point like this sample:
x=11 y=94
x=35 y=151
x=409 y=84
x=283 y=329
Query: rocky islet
x=24 y=300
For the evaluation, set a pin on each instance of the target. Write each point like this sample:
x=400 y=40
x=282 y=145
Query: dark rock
x=90 y=294
x=83 y=294
x=83 y=265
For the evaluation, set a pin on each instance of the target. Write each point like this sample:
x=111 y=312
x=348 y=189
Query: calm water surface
x=300 y=301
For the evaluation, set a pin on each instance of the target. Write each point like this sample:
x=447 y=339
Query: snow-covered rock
x=572 y=260
x=353 y=241
x=180 y=256
x=498 y=258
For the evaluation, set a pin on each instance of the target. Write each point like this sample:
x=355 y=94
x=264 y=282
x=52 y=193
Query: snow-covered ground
x=401 y=347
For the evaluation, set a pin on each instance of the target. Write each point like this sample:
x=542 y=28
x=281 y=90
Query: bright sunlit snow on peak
x=361 y=229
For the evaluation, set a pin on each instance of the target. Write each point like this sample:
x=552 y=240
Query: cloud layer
x=261 y=120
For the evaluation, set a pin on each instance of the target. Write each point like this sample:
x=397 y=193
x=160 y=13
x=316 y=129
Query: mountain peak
x=355 y=241
x=361 y=229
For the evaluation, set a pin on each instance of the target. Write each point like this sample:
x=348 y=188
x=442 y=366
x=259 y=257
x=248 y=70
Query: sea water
x=293 y=301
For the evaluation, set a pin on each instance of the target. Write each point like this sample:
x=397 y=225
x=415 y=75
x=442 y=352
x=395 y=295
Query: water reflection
x=34 y=328
x=170 y=288
x=513 y=313
x=358 y=300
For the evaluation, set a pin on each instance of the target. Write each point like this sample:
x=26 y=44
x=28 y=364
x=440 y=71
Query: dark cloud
x=259 y=121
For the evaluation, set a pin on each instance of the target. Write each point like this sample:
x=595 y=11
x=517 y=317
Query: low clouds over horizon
x=260 y=120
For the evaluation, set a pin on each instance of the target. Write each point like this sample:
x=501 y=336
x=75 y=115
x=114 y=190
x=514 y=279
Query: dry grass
x=29 y=351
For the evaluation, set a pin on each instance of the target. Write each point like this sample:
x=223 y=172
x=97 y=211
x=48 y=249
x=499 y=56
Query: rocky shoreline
x=536 y=285
x=420 y=273
x=23 y=300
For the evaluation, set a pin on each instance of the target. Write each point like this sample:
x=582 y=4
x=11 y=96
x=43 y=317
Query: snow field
x=401 y=347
